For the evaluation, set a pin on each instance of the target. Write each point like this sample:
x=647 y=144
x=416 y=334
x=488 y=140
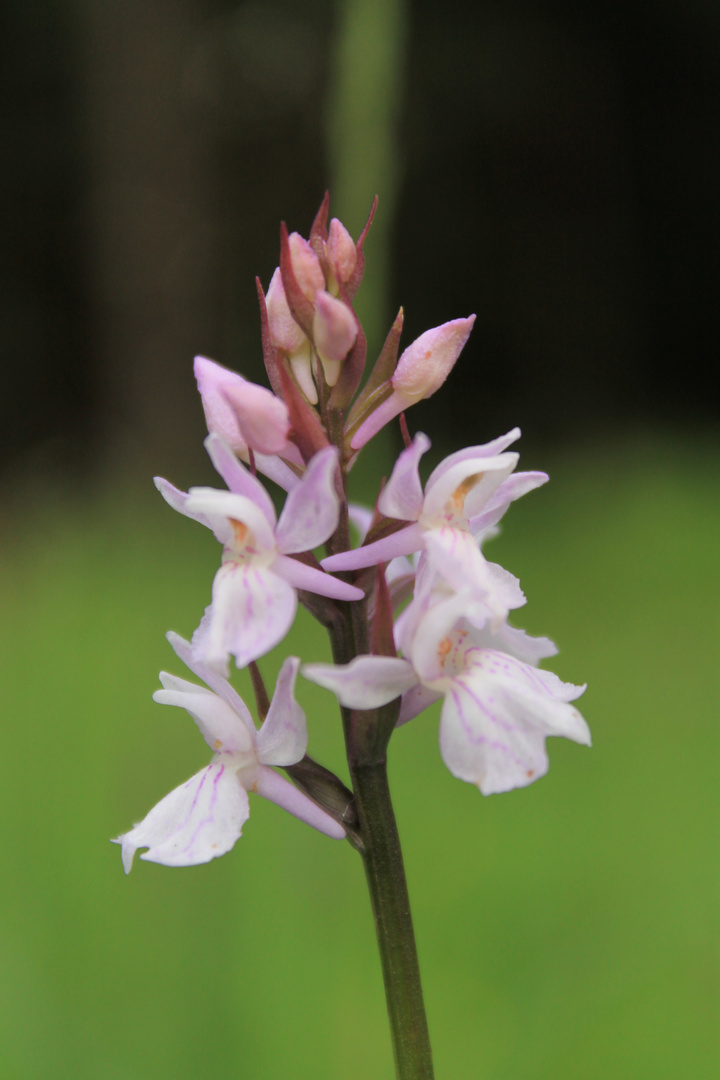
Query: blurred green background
x=521 y=154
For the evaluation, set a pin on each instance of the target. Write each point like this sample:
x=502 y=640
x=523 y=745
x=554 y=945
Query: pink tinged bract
x=421 y=370
x=204 y=817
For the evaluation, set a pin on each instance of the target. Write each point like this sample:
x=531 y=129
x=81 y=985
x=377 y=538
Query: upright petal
x=283 y=737
x=196 y=822
x=312 y=509
x=402 y=496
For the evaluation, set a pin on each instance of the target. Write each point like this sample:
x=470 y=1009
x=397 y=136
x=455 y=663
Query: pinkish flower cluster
x=419 y=614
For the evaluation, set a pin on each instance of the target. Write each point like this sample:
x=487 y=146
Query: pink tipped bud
x=285 y=333
x=341 y=252
x=421 y=370
x=334 y=330
x=426 y=364
x=306 y=266
x=213 y=380
x=263 y=418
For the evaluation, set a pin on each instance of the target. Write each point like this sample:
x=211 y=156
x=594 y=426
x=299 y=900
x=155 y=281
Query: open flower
x=254 y=596
x=204 y=817
x=498 y=708
x=465 y=496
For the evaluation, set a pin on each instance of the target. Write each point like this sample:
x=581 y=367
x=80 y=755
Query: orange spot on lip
x=444 y=648
x=530 y=772
x=240 y=530
x=460 y=492
x=217 y=745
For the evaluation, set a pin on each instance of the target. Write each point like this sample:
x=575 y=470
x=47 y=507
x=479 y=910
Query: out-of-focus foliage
x=564 y=930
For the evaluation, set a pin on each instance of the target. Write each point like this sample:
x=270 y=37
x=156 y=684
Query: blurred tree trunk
x=151 y=225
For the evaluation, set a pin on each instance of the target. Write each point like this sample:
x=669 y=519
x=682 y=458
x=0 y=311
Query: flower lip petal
x=196 y=822
x=252 y=610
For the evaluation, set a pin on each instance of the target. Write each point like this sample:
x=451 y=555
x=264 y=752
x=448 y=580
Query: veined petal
x=283 y=737
x=196 y=822
x=310 y=579
x=366 y=682
x=402 y=496
x=221 y=728
x=237 y=477
x=252 y=610
x=312 y=508
x=403 y=542
x=280 y=791
x=483 y=743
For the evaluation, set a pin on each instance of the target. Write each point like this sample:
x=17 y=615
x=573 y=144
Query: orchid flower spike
x=254 y=596
x=420 y=371
x=498 y=708
x=204 y=817
x=465 y=495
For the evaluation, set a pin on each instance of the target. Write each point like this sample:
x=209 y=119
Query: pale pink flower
x=498 y=708
x=203 y=818
x=464 y=497
x=255 y=590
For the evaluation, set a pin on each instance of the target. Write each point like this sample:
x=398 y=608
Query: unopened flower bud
x=306 y=266
x=263 y=417
x=426 y=364
x=341 y=253
x=285 y=333
x=334 y=330
x=421 y=370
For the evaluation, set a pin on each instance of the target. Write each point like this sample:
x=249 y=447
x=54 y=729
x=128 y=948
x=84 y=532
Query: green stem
x=385 y=874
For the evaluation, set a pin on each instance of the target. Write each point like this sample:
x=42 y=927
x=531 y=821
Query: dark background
x=558 y=176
